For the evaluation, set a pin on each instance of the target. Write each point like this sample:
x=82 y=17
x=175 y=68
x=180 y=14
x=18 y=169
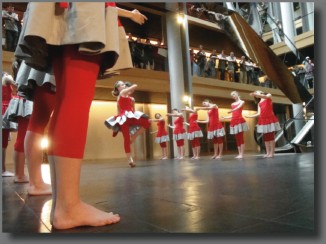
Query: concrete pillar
x=288 y=25
x=179 y=60
x=310 y=16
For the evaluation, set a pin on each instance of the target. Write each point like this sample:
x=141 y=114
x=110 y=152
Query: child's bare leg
x=34 y=159
x=19 y=159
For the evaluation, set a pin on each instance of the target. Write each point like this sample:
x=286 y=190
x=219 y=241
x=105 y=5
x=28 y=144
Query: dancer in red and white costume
x=128 y=120
x=162 y=136
x=267 y=121
x=237 y=124
x=194 y=132
x=215 y=128
x=179 y=133
x=85 y=42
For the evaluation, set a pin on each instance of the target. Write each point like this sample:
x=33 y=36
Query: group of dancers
x=132 y=123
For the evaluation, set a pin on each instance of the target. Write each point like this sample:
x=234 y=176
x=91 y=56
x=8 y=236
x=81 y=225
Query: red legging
x=195 y=142
x=5 y=138
x=125 y=130
x=163 y=144
x=269 y=136
x=22 y=128
x=217 y=140
x=42 y=108
x=239 y=139
x=75 y=76
x=180 y=143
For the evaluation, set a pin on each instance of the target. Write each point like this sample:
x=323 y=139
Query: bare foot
x=23 y=179
x=266 y=156
x=131 y=163
x=213 y=157
x=82 y=215
x=218 y=157
x=39 y=190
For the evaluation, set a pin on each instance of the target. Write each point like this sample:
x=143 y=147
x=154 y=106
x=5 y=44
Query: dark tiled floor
x=254 y=195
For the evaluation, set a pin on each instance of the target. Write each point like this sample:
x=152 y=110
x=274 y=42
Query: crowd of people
x=226 y=67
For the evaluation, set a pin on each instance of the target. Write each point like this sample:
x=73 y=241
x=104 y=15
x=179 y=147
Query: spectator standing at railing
x=222 y=62
x=309 y=76
x=148 y=54
x=210 y=66
x=243 y=70
x=11 y=22
x=200 y=59
x=250 y=70
x=232 y=66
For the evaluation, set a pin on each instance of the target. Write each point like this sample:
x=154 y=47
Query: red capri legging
x=75 y=76
x=195 y=142
x=180 y=143
x=125 y=130
x=5 y=138
x=42 y=108
x=269 y=136
x=239 y=139
x=163 y=144
x=217 y=140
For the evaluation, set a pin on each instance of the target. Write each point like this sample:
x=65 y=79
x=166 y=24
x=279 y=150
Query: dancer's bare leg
x=194 y=153
x=19 y=159
x=181 y=152
x=138 y=132
x=272 y=149
x=34 y=159
x=239 y=152
x=242 y=148
x=215 y=151
x=220 y=151
x=69 y=210
x=165 y=153
x=197 y=152
x=267 y=146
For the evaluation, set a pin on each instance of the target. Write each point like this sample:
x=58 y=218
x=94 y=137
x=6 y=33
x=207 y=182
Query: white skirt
x=268 y=128
x=18 y=107
x=162 y=139
x=239 y=128
x=216 y=133
x=195 y=134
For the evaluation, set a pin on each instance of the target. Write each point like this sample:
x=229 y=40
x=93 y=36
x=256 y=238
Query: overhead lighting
x=180 y=18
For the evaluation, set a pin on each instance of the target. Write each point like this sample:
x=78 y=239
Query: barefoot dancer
x=238 y=124
x=179 y=133
x=215 y=128
x=83 y=43
x=127 y=117
x=162 y=136
x=267 y=121
x=194 y=132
